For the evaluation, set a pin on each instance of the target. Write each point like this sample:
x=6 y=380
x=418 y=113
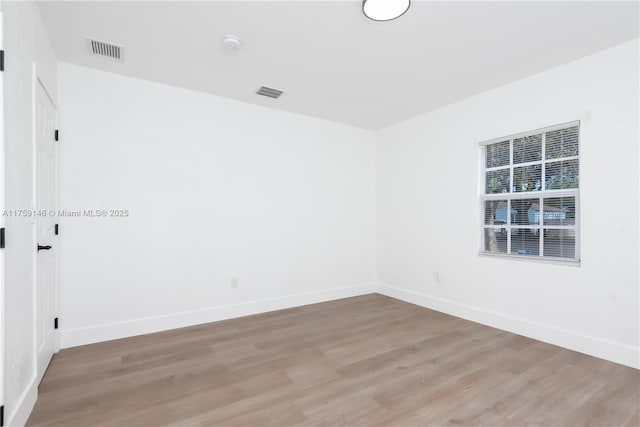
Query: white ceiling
x=332 y=62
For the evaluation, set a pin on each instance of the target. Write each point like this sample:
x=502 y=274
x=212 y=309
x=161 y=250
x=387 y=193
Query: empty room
x=319 y=213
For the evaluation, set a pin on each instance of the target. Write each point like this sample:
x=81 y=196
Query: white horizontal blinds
x=498 y=181
x=562 y=143
x=524 y=243
x=496 y=219
x=498 y=174
x=526 y=234
x=527 y=149
x=561 y=155
x=498 y=155
x=527 y=158
x=559 y=222
x=531 y=189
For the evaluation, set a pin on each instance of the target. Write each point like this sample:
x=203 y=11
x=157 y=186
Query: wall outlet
x=234 y=282
x=436 y=277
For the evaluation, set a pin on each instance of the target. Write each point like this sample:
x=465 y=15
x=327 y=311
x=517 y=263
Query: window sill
x=529 y=258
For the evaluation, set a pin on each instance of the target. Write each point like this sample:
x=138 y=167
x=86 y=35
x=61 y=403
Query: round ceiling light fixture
x=384 y=10
x=231 y=42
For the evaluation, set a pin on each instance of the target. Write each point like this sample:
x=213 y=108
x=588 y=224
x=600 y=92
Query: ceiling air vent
x=105 y=50
x=267 y=91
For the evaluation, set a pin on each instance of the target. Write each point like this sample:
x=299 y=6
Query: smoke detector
x=231 y=42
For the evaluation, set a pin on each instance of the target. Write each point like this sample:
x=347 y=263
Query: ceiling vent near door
x=267 y=91
x=105 y=50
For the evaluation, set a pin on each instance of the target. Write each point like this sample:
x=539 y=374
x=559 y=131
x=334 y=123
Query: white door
x=46 y=206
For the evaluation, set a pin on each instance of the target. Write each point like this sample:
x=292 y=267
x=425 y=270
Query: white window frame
x=537 y=195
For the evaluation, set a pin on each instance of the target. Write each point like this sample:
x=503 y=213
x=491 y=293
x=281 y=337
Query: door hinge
x=55 y=323
x=2 y=415
x=2 y=238
x=56 y=229
x=1 y=60
x=57 y=134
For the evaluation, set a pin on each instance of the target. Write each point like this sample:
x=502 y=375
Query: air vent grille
x=105 y=50
x=267 y=91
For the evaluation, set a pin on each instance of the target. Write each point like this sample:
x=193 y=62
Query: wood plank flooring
x=363 y=361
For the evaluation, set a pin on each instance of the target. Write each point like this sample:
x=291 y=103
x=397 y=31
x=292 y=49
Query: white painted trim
x=19 y=416
x=40 y=366
x=569 y=124
x=92 y=334
x=593 y=346
x=2 y=221
x=572 y=262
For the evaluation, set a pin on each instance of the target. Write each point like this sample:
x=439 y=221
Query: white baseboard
x=593 y=346
x=111 y=331
x=20 y=414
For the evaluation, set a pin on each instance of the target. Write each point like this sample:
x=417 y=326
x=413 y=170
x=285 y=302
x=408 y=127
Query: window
x=530 y=196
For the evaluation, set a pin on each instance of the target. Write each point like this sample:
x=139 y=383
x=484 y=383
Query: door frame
x=37 y=81
x=2 y=225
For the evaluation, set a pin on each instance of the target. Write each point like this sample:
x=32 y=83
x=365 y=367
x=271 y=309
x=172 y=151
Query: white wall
x=26 y=43
x=218 y=188
x=215 y=188
x=428 y=210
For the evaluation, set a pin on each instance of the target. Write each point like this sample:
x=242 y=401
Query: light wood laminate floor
x=369 y=360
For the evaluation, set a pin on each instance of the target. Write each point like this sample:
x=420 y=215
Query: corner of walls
x=425 y=228
x=593 y=346
x=376 y=139
x=110 y=331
